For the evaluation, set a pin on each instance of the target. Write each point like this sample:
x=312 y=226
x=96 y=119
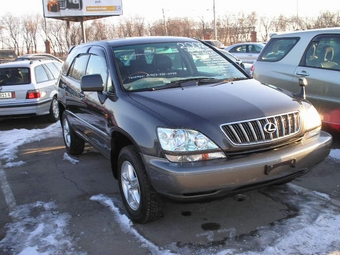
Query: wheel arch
x=119 y=140
x=61 y=111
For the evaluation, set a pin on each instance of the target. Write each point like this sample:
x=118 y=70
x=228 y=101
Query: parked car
x=245 y=66
x=247 y=52
x=7 y=56
x=34 y=56
x=178 y=120
x=215 y=43
x=236 y=60
x=29 y=88
x=313 y=54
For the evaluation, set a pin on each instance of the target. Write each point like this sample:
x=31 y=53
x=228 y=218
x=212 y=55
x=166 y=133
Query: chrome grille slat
x=252 y=131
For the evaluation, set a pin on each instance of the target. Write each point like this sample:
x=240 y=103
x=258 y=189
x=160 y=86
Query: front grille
x=254 y=131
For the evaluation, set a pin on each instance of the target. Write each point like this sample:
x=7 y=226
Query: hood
x=196 y=106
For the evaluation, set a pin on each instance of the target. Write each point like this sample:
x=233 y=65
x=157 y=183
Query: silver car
x=313 y=54
x=28 y=88
x=247 y=52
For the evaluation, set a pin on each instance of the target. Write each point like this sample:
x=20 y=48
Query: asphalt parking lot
x=78 y=200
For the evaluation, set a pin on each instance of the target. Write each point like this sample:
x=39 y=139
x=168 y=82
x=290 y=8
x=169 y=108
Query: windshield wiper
x=232 y=79
x=179 y=83
x=198 y=81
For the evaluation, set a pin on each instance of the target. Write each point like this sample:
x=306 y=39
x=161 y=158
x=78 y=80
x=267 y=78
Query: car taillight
x=252 y=68
x=32 y=94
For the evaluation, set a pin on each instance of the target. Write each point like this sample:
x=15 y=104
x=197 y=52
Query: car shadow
x=24 y=123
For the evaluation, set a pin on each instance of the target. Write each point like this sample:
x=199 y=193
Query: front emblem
x=270 y=127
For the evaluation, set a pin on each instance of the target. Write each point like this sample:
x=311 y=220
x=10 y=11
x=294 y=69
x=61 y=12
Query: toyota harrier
x=177 y=119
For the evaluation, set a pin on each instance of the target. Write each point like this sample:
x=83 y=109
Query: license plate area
x=7 y=95
x=269 y=168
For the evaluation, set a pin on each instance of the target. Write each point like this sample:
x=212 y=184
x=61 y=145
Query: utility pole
x=164 y=23
x=215 y=30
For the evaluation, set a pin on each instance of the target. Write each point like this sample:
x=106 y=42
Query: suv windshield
x=154 y=66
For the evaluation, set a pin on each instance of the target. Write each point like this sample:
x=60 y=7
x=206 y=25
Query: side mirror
x=303 y=84
x=91 y=82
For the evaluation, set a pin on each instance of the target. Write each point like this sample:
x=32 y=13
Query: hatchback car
x=177 y=119
x=29 y=88
x=313 y=54
x=247 y=52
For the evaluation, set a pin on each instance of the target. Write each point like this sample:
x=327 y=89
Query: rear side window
x=323 y=52
x=239 y=49
x=54 y=69
x=40 y=74
x=277 y=49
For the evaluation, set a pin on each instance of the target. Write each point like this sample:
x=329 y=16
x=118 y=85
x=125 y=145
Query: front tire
x=73 y=143
x=142 y=202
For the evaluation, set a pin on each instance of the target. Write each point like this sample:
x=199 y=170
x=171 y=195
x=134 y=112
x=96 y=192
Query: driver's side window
x=97 y=65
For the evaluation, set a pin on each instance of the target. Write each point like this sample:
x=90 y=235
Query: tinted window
x=14 y=76
x=153 y=66
x=254 y=49
x=54 y=69
x=40 y=74
x=277 y=49
x=239 y=49
x=78 y=67
x=97 y=65
x=323 y=52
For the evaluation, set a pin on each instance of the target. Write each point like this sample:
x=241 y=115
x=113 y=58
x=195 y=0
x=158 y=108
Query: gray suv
x=311 y=54
x=178 y=119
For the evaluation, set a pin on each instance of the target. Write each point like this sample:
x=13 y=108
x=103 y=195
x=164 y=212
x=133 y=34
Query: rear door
x=320 y=65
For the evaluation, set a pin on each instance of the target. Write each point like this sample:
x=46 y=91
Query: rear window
x=14 y=76
x=277 y=49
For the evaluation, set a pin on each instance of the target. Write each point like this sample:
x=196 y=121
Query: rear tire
x=53 y=115
x=142 y=202
x=73 y=143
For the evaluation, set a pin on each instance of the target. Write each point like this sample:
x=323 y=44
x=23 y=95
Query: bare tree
x=21 y=34
x=13 y=28
x=157 y=28
x=97 y=30
x=327 y=19
x=54 y=33
x=30 y=25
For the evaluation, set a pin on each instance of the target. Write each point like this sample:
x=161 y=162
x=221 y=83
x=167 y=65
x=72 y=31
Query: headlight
x=312 y=121
x=185 y=145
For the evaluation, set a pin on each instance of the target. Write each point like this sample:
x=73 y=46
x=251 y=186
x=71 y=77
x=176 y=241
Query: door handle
x=302 y=73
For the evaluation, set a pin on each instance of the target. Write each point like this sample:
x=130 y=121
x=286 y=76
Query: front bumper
x=191 y=181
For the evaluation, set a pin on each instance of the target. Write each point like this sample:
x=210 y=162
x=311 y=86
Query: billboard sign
x=72 y=9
